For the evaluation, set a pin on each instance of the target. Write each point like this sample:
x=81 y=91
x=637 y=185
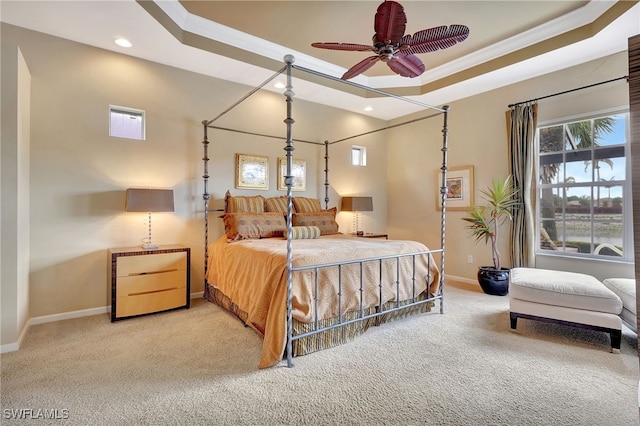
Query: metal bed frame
x=288 y=180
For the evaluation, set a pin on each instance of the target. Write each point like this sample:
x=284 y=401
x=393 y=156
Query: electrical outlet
x=469 y=258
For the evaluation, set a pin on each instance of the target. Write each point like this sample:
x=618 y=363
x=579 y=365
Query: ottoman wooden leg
x=514 y=320
x=616 y=337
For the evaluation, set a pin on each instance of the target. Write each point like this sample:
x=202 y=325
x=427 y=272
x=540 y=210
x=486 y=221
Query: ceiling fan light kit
x=396 y=49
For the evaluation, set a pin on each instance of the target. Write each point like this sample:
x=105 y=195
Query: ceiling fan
x=392 y=46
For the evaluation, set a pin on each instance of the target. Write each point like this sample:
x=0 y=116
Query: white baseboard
x=9 y=347
x=12 y=347
x=68 y=315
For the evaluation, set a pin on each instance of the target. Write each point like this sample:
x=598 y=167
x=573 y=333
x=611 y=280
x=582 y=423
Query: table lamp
x=149 y=200
x=357 y=205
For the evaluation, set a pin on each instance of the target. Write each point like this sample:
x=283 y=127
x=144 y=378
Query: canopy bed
x=283 y=268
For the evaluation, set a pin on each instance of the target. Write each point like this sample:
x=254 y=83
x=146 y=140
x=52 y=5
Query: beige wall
x=79 y=173
x=478 y=137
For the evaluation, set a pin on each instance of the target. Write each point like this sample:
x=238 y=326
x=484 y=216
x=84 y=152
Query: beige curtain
x=521 y=124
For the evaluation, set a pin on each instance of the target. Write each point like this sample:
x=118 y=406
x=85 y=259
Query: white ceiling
x=245 y=42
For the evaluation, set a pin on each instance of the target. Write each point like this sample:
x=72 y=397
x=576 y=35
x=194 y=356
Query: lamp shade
x=357 y=204
x=149 y=200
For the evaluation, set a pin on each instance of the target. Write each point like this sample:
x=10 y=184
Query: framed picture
x=252 y=172
x=459 y=188
x=298 y=171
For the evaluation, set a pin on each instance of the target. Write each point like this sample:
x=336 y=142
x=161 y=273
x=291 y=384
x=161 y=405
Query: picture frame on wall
x=459 y=188
x=252 y=172
x=298 y=171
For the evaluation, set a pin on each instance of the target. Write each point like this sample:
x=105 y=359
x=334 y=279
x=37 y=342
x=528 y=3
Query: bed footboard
x=398 y=274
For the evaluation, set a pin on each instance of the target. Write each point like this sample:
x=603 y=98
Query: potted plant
x=484 y=223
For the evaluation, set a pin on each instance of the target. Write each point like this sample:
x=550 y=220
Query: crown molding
x=194 y=24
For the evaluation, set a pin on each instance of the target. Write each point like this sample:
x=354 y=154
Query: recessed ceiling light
x=368 y=108
x=279 y=85
x=123 y=42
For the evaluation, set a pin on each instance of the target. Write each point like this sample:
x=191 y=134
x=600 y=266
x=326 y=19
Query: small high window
x=126 y=123
x=358 y=155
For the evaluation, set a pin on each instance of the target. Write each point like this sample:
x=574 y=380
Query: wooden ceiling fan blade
x=360 y=67
x=437 y=38
x=406 y=65
x=390 y=23
x=395 y=47
x=344 y=46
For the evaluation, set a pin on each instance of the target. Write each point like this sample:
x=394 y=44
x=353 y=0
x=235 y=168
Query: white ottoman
x=567 y=298
x=625 y=288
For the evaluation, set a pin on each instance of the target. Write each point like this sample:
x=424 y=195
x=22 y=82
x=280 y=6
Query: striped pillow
x=306 y=205
x=303 y=233
x=325 y=220
x=243 y=204
x=245 y=226
x=276 y=204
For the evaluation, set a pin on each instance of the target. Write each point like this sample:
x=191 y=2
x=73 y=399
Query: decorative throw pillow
x=276 y=204
x=241 y=204
x=249 y=225
x=325 y=220
x=303 y=232
x=306 y=205
x=273 y=225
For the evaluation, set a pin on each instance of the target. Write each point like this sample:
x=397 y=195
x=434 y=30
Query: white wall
x=24 y=204
x=14 y=207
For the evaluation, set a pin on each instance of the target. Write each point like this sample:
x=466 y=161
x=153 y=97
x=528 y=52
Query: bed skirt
x=330 y=338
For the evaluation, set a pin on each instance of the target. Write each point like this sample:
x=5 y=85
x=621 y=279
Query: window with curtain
x=584 y=182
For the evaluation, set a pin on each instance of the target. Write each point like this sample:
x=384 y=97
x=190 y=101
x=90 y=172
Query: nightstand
x=372 y=235
x=148 y=281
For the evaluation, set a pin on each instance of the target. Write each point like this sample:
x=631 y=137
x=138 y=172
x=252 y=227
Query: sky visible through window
x=579 y=171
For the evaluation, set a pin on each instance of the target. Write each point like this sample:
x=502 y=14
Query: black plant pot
x=493 y=281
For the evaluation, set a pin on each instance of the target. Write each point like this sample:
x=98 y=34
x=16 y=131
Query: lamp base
x=150 y=246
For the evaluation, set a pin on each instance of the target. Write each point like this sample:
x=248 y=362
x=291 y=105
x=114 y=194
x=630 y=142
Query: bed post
x=288 y=181
x=205 y=198
x=443 y=199
x=326 y=175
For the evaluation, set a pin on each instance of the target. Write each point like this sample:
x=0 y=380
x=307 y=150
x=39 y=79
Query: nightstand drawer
x=150 y=283
x=150 y=302
x=163 y=262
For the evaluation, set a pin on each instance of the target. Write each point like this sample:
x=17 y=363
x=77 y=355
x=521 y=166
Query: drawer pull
x=153 y=291
x=151 y=273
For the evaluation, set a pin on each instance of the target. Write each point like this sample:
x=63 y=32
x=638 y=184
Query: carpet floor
x=199 y=367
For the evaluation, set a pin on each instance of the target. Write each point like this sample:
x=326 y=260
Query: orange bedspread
x=252 y=273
